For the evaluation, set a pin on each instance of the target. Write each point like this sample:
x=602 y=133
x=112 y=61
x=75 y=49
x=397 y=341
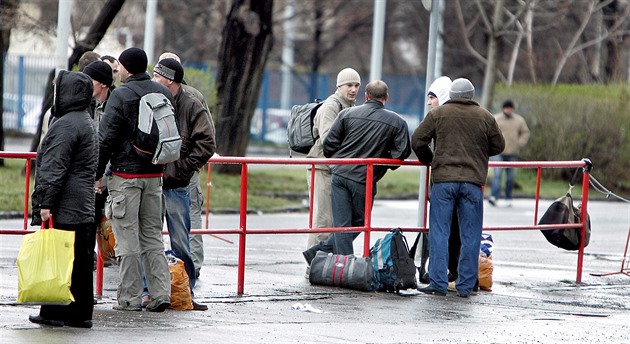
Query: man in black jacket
x=365 y=131
x=134 y=203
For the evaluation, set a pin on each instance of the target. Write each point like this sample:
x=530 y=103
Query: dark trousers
x=454 y=246
x=82 y=286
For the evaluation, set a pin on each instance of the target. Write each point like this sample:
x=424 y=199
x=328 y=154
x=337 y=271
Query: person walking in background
x=64 y=189
x=348 y=83
x=365 y=131
x=134 y=204
x=194 y=188
x=198 y=145
x=465 y=135
x=516 y=134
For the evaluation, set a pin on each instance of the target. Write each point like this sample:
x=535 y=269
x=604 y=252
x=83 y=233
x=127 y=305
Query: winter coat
x=198 y=143
x=66 y=159
x=366 y=131
x=515 y=132
x=465 y=135
x=117 y=126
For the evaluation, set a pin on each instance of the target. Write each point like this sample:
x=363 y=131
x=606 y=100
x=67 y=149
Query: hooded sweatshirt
x=440 y=88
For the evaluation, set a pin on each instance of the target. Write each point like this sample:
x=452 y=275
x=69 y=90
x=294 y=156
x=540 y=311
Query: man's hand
x=45 y=213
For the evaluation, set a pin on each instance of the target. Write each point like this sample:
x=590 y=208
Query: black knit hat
x=170 y=69
x=134 y=60
x=508 y=104
x=100 y=71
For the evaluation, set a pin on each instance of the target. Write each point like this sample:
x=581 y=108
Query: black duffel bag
x=346 y=271
x=562 y=211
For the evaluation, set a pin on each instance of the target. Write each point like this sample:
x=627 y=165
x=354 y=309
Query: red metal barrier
x=242 y=231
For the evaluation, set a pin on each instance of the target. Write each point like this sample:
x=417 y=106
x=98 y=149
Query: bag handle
x=48 y=224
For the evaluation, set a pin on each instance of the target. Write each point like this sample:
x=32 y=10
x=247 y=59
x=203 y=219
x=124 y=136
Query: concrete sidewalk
x=534 y=296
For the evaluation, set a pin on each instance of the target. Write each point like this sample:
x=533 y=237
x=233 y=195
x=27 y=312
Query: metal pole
x=378 y=34
x=287 y=56
x=422 y=189
x=149 y=30
x=63 y=32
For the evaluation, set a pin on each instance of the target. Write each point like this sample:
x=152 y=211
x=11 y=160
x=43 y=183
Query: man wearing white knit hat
x=348 y=83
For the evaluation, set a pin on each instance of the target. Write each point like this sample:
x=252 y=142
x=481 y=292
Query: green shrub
x=571 y=122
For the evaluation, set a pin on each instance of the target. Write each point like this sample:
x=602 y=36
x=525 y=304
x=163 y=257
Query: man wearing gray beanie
x=348 y=83
x=465 y=136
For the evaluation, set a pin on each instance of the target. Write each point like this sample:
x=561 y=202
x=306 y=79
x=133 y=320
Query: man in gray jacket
x=365 y=131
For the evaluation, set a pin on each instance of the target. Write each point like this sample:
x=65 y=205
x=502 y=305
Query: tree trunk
x=89 y=42
x=493 y=53
x=8 y=10
x=247 y=41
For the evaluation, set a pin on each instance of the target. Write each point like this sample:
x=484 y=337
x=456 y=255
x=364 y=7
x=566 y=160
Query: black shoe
x=199 y=307
x=38 y=319
x=431 y=291
x=158 y=305
x=465 y=296
x=79 y=323
x=309 y=255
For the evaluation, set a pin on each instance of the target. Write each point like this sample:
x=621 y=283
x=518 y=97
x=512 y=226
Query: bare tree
x=247 y=41
x=8 y=10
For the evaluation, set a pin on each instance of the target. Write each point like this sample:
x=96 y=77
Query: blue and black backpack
x=394 y=268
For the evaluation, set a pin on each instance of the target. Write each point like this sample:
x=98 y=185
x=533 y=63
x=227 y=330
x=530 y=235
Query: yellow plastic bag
x=45 y=267
x=181 y=298
x=105 y=239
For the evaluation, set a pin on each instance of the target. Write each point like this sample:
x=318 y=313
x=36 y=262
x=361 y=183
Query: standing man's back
x=135 y=189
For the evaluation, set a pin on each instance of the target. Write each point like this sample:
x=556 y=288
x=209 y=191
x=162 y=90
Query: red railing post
x=311 y=196
x=538 y=177
x=99 y=273
x=584 y=220
x=26 y=193
x=367 y=217
x=243 y=231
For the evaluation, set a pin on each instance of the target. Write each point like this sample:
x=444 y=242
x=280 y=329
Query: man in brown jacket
x=465 y=136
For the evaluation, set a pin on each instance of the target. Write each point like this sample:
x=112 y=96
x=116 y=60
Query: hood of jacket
x=440 y=88
x=73 y=92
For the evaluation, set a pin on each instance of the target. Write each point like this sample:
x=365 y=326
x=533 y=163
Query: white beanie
x=462 y=88
x=348 y=76
x=440 y=89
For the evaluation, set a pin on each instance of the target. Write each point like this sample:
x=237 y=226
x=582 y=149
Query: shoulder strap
x=136 y=89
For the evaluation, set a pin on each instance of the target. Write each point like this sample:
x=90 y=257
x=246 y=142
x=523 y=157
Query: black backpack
x=300 y=126
x=562 y=211
x=394 y=268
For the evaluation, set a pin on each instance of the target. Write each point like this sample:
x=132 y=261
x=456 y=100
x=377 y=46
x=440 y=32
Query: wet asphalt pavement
x=534 y=298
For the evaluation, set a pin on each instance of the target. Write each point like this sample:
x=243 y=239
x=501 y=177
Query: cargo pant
x=134 y=207
x=322 y=205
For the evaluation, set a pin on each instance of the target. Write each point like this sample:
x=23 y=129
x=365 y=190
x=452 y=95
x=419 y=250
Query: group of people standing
x=456 y=138
x=86 y=164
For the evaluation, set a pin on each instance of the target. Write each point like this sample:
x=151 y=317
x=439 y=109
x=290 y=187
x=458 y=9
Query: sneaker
x=127 y=307
x=508 y=203
x=431 y=291
x=493 y=201
x=451 y=287
x=79 y=323
x=199 y=307
x=159 y=304
x=308 y=256
x=38 y=319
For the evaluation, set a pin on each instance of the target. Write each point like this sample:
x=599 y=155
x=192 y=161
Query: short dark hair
x=508 y=104
x=87 y=58
x=109 y=58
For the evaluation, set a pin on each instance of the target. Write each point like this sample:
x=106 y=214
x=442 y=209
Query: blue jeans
x=467 y=200
x=177 y=211
x=509 y=177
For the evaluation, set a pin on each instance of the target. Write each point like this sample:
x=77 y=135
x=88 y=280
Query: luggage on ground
x=346 y=271
x=394 y=268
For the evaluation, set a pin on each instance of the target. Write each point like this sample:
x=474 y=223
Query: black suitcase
x=346 y=271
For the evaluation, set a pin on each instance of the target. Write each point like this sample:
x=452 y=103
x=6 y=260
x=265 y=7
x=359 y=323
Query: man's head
x=113 y=63
x=170 y=73
x=438 y=92
x=102 y=78
x=132 y=61
x=377 y=90
x=508 y=107
x=87 y=58
x=348 y=83
x=462 y=88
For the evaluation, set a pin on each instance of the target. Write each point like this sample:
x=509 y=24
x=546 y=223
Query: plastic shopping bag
x=181 y=298
x=105 y=239
x=45 y=267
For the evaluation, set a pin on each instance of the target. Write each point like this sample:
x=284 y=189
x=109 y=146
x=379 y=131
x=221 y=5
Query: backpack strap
x=136 y=89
